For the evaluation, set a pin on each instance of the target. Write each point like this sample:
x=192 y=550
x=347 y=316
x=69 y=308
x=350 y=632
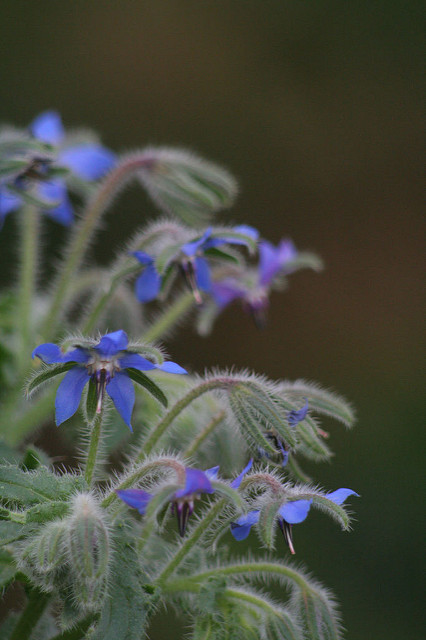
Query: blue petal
x=241 y=527
x=295 y=512
x=294 y=417
x=248 y=231
x=196 y=481
x=212 y=472
x=236 y=483
x=340 y=495
x=8 y=202
x=191 y=248
x=90 y=162
x=48 y=352
x=269 y=263
x=202 y=274
x=135 y=361
x=171 y=367
x=76 y=355
x=112 y=343
x=135 y=498
x=48 y=127
x=69 y=393
x=144 y=258
x=121 y=391
x=226 y=291
x=217 y=241
x=147 y=286
x=56 y=191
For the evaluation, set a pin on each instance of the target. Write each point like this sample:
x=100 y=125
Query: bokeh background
x=316 y=107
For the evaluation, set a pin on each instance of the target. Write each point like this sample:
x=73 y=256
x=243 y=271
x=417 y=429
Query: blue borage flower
x=255 y=296
x=196 y=483
x=89 y=161
x=293 y=417
x=105 y=363
x=289 y=514
x=191 y=258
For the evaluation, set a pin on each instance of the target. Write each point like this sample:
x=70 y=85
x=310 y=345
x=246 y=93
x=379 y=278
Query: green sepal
x=267 y=525
x=91 y=401
x=30 y=199
x=150 y=386
x=213 y=252
x=45 y=374
x=230 y=493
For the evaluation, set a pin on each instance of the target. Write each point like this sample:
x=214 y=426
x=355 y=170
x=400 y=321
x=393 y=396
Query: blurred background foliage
x=316 y=108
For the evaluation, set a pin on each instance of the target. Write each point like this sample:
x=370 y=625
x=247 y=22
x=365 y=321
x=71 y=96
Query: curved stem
x=169 y=317
x=92 y=454
x=208 y=429
x=83 y=233
x=209 y=385
x=191 y=541
x=28 y=275
x=37 y=602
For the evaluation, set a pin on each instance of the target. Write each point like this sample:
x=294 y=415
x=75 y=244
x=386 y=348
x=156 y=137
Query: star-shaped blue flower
x=196 y=483
x=87 y=161
x=255 y=295
x=290 y=513
x=191 y=257
x=105 y=363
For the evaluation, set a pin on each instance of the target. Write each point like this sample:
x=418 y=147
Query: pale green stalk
x=92 y=454
x=169 y=317
x=204 y=433
x=27 y=284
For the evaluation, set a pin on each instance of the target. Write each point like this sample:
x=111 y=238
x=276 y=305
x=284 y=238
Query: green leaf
x=318 y=615
x=28 y=488
x=33 y=458
x=320 y=400
x=124 y=613
x=45 y=374
x=150 y=386
x=8 y=568
x=13 y=531
x=9 y=454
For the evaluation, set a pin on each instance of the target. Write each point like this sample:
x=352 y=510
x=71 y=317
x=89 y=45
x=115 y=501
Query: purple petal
x=121 y=391
x=49 y=353
x=225 y=292
x=55 y=191
x=69 y=393
x=196 y=482
x=8 y=202
x=171 y=367
x=202 y=274
x=76 y=355
x=340 y=495
x=112 y=343
x=147 y=286
x=48 y=127
x=144 y=258
x=247 y=230
x=294 y=417
x=240 y=529
x=212 y=472
x=273 y=259
x=135 y=361
x=89 y=162
x=191 y=248
x=236 y=483
x=135 y=498
x=295 y=512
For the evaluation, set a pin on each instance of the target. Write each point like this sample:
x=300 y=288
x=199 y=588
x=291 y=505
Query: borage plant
x=93 y=551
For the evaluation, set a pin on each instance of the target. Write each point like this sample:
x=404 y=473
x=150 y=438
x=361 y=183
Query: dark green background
x=316 y=107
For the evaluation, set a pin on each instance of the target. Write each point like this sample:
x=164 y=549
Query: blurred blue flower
x=255 y=294
x=87 y=161
x=191 y=258
x=196 y=483
x=105 y=363
x=294 y=417
x=289 y=514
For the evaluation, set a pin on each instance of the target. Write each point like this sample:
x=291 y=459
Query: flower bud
x=88 y=552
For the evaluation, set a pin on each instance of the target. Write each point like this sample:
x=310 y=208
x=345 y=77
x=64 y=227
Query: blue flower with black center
x=88 y=161
x=254 y=291
x=192 y=259
x=195 y=483
x=110 y=367
x=289 y=514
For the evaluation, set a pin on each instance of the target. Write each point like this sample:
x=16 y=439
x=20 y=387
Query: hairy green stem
x=37 y=602
x=204 y=433
x=78 y=632
x=220 y=382
x=28 y=275
x=191 y=541
x=169 y=317
x=92 y=454
x=83 y=233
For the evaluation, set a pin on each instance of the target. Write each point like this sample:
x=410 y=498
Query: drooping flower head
x=195 y=483
x=109 y=364
x=87 y=161
x=192 y=260
x=254 y=289
x=282 y=449
x=292 y=512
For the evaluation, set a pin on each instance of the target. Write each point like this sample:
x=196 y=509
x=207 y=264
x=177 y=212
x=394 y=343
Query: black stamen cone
x=183 y=511
x=287 y=533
